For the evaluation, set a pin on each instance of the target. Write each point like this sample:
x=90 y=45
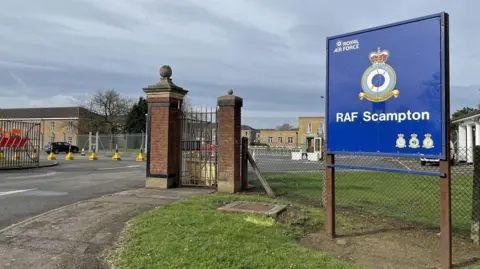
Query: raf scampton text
x=368 y=116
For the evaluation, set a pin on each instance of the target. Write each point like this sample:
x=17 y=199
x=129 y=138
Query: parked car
x=453 y=157
x=60 y=147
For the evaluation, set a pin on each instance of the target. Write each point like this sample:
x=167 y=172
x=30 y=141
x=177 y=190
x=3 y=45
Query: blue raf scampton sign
x=386 y=90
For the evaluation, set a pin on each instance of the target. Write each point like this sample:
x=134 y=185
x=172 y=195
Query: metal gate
x=198 y=156
x=19 y=144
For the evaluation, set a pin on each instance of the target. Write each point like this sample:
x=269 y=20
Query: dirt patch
x=381 y=243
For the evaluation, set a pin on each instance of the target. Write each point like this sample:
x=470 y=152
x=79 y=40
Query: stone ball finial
x=230 y=92
x=165 y=71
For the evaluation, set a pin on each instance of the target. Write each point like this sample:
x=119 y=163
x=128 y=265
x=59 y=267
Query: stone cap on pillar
x=165 y=87
x=230 y=100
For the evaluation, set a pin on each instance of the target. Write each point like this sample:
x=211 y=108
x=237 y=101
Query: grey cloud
x=72 y=8
x=274 y=73
x=252 y=40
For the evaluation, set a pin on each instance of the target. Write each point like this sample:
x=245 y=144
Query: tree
x=464 y=111
x=136 y=121
x=285 y=127
x=459 y=114
x=106 y=111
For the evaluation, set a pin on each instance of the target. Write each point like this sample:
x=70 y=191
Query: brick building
x=280 y=138
x=57 y=124
x=310 y=128
x=250 y=133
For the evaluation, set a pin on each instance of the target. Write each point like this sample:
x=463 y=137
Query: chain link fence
x=299 y=176
x=126 y=143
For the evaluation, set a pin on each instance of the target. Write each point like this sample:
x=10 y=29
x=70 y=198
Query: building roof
x=466 y=116
x=247 y=128
x=41 y=112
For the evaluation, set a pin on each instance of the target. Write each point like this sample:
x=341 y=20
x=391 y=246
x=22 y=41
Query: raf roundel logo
x=379 y=79
x=339 y=43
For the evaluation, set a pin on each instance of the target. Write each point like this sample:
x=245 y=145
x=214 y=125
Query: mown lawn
x=408 y=197
x=193 y=234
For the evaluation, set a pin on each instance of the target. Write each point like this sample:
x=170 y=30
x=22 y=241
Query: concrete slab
x=254 y=207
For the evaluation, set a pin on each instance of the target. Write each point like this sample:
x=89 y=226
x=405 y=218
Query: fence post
x=164 y=132
x=244 y=163
x=475 y=232
x=126 y=142
x=229 y=142
x=89 y=141
x=97 y=137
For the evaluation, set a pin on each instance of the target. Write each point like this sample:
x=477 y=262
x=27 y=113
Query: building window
x=279 y=140
x=52 y=125
x=309 y=128
x=69 y=140
x=270 y=139
x=70 y=125
x=290 y=140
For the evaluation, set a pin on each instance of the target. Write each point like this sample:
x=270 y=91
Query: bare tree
x=105 y=111
x=285 y=127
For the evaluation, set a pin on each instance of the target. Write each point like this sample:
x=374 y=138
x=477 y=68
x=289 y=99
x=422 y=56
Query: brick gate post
x=229 y=142
x=165 y=101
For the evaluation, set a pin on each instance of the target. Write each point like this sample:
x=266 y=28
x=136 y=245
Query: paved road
x=281 y=162
x=26 y=193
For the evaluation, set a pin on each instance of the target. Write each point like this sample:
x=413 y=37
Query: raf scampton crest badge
x=379 y=79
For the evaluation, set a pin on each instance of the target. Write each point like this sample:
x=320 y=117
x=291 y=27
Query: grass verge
x=408 y=197
x=193 y=234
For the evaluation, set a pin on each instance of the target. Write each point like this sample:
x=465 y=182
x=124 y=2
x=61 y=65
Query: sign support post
x=330 y=195
x=445 y=165
x=389 y=97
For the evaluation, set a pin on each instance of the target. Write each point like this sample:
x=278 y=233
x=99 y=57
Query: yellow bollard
x=83 y=152
x=116 y=156
x=93 y=156
x=69 y=156
x=34 y=155
x=2 y=156
x=52 y=156
x=140 y=156
x=16 y=156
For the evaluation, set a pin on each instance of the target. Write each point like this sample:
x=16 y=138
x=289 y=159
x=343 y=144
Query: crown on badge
x=428 y=135
x=414 y=135
x=379 y=56
x=400 y=135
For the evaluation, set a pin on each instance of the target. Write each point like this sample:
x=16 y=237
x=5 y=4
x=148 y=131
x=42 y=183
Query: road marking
x=402 y=164
x=113 y=168
x=133 y=166
x=13 y=192
x=34 y=176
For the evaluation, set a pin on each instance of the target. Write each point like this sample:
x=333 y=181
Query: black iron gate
x=19 y=144
x=198 y=157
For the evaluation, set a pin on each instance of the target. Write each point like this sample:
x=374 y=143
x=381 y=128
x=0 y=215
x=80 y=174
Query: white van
x=453 y=157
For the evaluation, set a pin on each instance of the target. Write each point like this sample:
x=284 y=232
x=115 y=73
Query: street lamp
x=297 y=138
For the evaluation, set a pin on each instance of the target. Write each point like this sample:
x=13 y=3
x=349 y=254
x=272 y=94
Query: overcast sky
x=270 y=52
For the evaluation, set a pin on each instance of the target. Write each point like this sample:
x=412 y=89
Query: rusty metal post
x=244 y=163
x=475 y=230
x=446 y=214
x=330 y=196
